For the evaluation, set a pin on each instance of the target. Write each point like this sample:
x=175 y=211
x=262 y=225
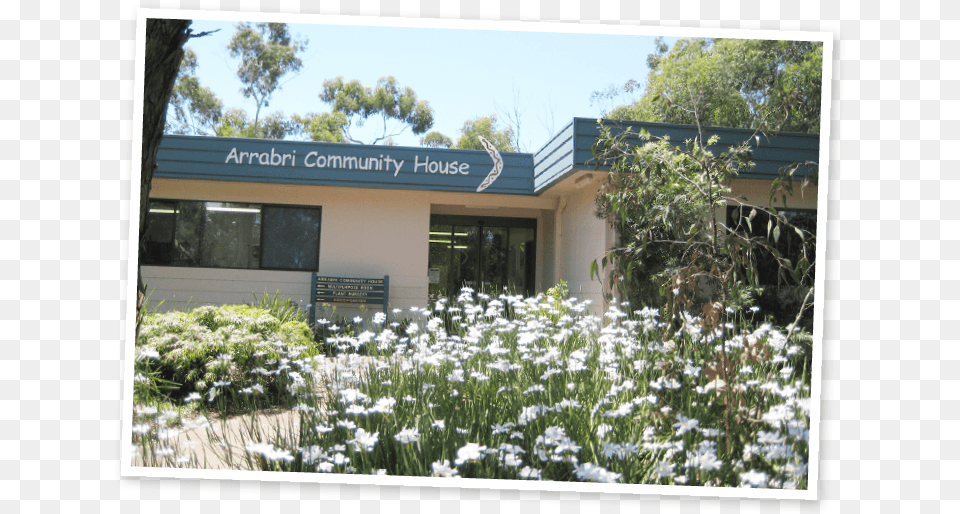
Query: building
x=234 y=218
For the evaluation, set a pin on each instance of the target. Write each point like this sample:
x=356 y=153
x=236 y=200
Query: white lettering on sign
x=315 y=160
x=441 y=167
x=264 y=159
x=349 y=162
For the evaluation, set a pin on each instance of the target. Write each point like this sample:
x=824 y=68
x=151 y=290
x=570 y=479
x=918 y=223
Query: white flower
x=407 y=436
x=439 y=424
x=443 y=469
x=620 y=451
x=147 y=410
x=664 y=469
x=528 y=473
x=470 y=452
x=365 y=440
x=269 y=452
x=685 y=424
x=753 y=478
x=148 y=353
x=603 y=430
x=593 y=473
x=536 y=388
x=355 y=410
x=704 y=461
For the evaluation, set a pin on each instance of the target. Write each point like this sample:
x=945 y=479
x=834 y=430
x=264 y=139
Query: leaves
x=387 y=100
x=673 y=251
x=485 y=126
x=326 y=126
x=739 y=83
x=267 y=52
x=195 y=108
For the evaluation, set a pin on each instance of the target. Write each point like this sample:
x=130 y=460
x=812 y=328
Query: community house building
x=375 y=228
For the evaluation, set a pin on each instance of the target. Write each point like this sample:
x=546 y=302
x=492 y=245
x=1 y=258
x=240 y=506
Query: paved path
x=221 y=443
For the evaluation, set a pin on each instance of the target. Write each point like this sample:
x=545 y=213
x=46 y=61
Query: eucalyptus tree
x=486 y=126
x=386 y=101
x=737 y=83
x=267 y=52
x=195 y=108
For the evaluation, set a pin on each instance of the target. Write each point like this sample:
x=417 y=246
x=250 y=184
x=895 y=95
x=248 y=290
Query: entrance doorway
x=489 y=254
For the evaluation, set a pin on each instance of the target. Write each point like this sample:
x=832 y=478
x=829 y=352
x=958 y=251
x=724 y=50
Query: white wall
x=186 y=288
x=581 y=238
x=371 y=233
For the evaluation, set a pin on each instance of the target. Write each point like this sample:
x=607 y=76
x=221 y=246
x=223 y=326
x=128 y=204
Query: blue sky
x=461 y=73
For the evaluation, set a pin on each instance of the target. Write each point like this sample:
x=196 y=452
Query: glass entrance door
x=488 y=254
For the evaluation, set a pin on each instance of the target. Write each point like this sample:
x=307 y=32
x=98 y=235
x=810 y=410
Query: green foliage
x=282 y=308
x=664 y=199
x=418 y=402
x=196 y=109
x=560 y=291
x=436 y=140
x=192 y=352
x=485 y=126
x=235 y=123
x=267 y=52
x=739 y=83
x=387 y=100
x=325 y=126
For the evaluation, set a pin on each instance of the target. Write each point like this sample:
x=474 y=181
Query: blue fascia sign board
x=440 y=169
x=335 y=164
x=570 y=150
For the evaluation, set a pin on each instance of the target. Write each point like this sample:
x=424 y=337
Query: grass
x=513 y=388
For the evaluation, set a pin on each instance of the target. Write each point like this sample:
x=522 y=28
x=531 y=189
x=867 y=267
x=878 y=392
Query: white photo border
x=128 y=470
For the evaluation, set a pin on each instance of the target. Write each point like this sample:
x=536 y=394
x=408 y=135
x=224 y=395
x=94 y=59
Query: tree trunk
x=162 y=56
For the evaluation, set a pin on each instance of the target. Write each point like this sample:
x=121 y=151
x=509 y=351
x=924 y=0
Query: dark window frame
x=260 y=248
x=485 y=222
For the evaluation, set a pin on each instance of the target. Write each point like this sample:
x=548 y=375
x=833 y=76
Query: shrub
x=203 y=350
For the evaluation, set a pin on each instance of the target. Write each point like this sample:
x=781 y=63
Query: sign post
x=362 y=291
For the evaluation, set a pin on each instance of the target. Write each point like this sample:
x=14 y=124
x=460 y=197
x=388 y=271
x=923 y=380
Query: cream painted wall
x=373 y=232
x=364 y=233
x=186 y=288
x=581 y=237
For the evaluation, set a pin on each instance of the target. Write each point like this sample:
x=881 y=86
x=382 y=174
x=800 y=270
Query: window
x=231 y=235
x=789 y=244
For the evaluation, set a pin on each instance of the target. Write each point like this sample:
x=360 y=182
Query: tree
x=436 y=140
x=235 y=123
x=664 y=198
x=195 y=108
x=325 y=126
x=163 y=53
x=514 y=118
x=387 y=100
x=267 y=52
x=485 y=126
x=738 y=83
